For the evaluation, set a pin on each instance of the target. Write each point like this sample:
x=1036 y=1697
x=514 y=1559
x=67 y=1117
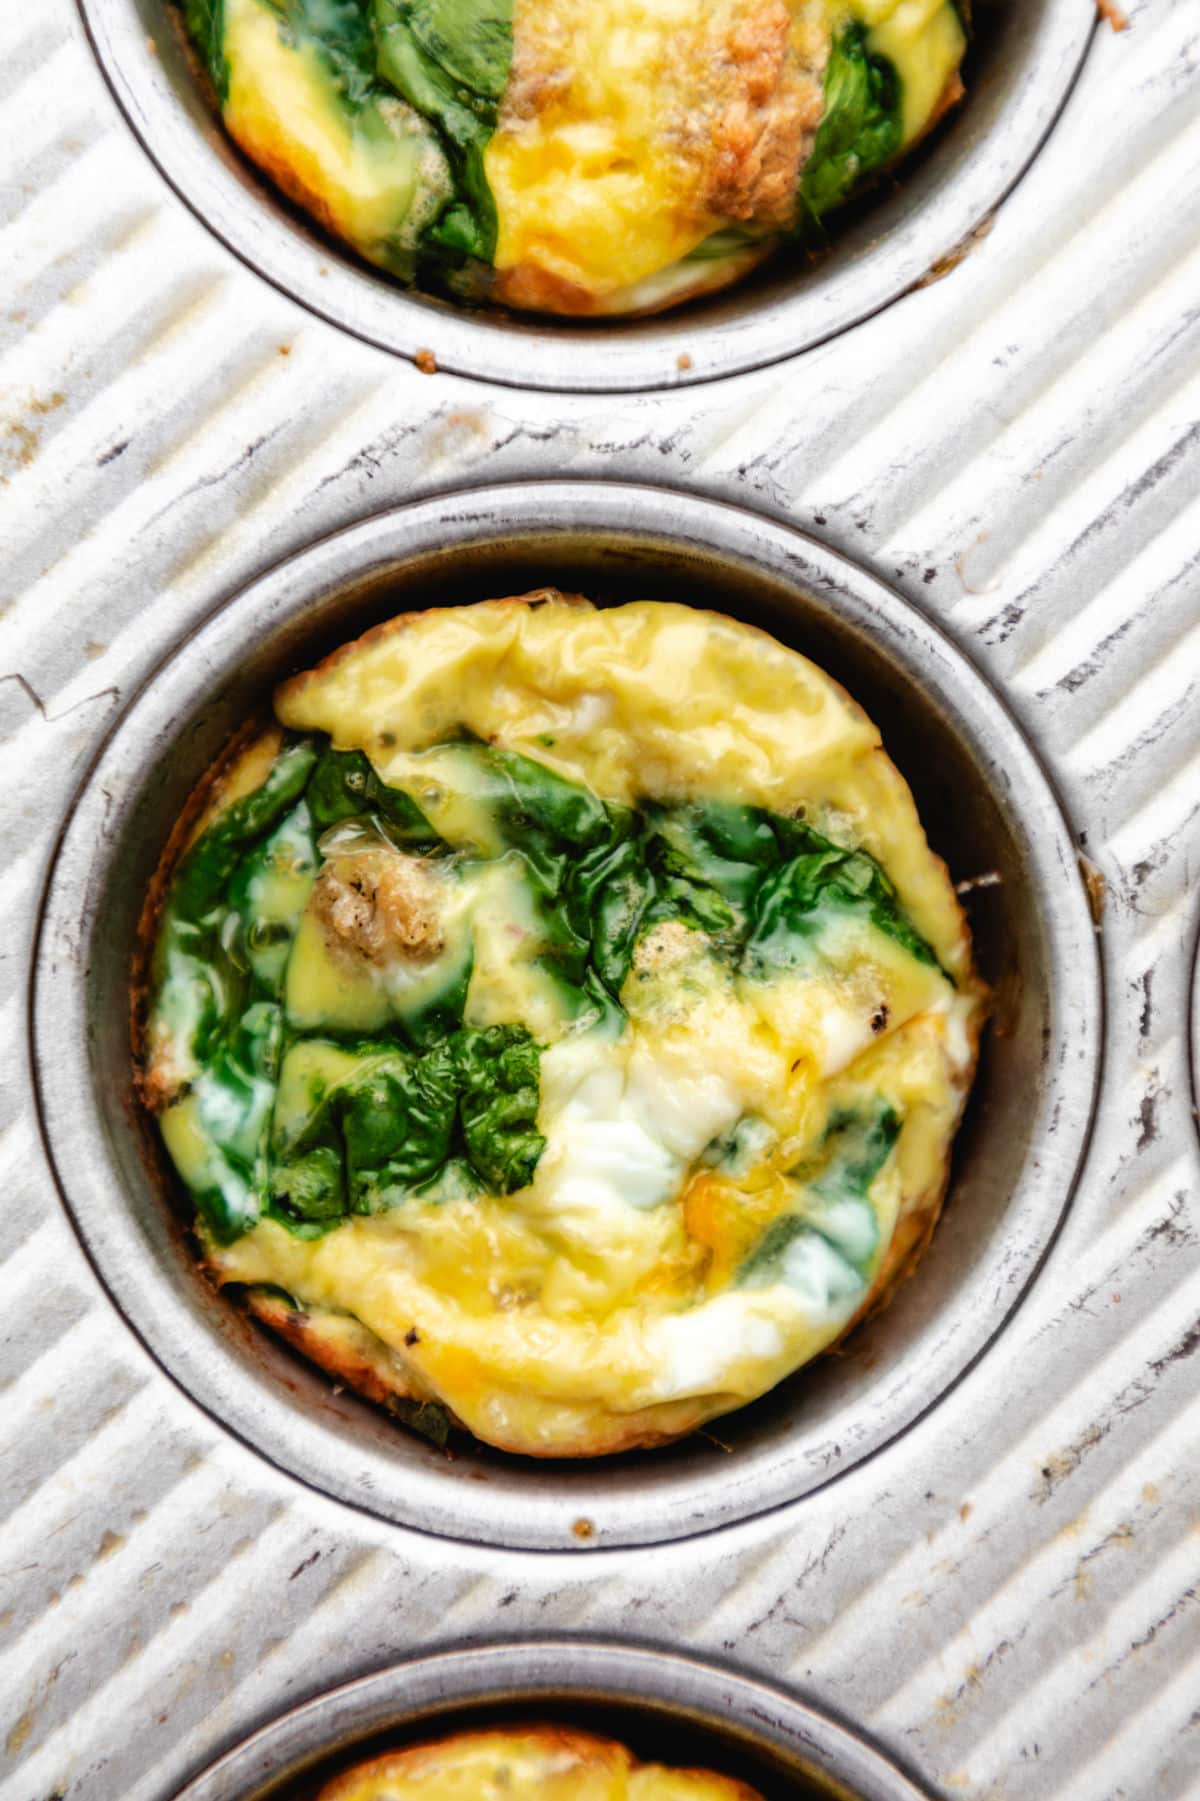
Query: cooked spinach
x=780 y=880
x=345 y=786
x=428 y=1419
x=450 y=60
x=761 y=885
x=827 y=1241
x=205 y=22
x=793 y=904
x=340 y=32
x=435 y=1109
x=498 y=1083
x=860 y=127
x=462 y=1114
x=206 y=868
x=232 y=1098
x=205 y=971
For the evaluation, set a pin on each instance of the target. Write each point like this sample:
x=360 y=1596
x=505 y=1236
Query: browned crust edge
x=356 y=1357
x=529 y=288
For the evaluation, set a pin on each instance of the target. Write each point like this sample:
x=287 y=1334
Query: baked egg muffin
x=513 y=1763
x=577 y=156
x=558 y=1018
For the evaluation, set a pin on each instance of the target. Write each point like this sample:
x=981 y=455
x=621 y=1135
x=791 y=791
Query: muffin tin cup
x=667 y=1708
x=986 y=804
x=1021 y=65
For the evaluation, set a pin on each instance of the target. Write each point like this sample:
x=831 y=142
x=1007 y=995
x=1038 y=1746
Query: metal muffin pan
x=1022 y=62
x=667 y=1708
x=986 y=804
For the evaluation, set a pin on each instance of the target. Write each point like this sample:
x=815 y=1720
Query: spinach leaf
x=611 y=889
x=310 y=1190
x=205 y=22
x=232 y=1098
x=499 y=1091
x=204 y=975
x=345 y=786
x=207 y=867
x=791 y=905
x=397 y=1124
x=450 y=59
x=542 y=814
x=428 y=1419
x=443 y=1124
x=826 y=1243
x=340 y=32
x=860 y=128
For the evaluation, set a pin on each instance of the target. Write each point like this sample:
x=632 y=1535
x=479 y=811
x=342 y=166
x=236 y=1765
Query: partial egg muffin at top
x=515 y=1763
x=577 y=156
x=559 y=1018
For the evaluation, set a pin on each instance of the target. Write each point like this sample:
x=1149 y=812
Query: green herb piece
x=428 y=1419
x=450 y=60
x=826 y=1244
x=792 y=904
x=445 y=1124
x=860 y=127
x=340 y=32
x=232 y=1098
x=345 y=786
x=205 y=21
x=499 y=1091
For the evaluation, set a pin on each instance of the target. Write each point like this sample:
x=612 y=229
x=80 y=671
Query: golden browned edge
x=532 y=289
x=339 y=1343
x=588 y=1749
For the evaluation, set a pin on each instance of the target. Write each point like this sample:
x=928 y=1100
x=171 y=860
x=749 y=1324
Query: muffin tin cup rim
x=535 y=1510
x=881 y=261
x=550 y=1668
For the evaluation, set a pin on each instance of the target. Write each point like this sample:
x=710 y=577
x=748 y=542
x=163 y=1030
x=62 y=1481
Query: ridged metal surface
x=1009 y=1597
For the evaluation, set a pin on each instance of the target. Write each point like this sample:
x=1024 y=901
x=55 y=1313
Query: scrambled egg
x=515 y=1763
x=630 y=907
x=576 y=156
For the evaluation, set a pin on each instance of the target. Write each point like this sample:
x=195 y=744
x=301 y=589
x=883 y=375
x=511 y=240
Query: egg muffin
x=558 y=1018
x=577 y=156
x=512 y=1763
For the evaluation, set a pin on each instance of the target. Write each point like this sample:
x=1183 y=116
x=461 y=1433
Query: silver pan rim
x=918 y=226
x=542 y=1670
x=150 y=1276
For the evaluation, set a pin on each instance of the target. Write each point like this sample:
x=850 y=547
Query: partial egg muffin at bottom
x=578 y=156
x=513 y=1763
x=558 y=1018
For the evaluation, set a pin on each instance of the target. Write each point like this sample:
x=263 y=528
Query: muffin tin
x=666 y=1708
x=1023 y=60
x=982 y=798
x=973 y=1534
